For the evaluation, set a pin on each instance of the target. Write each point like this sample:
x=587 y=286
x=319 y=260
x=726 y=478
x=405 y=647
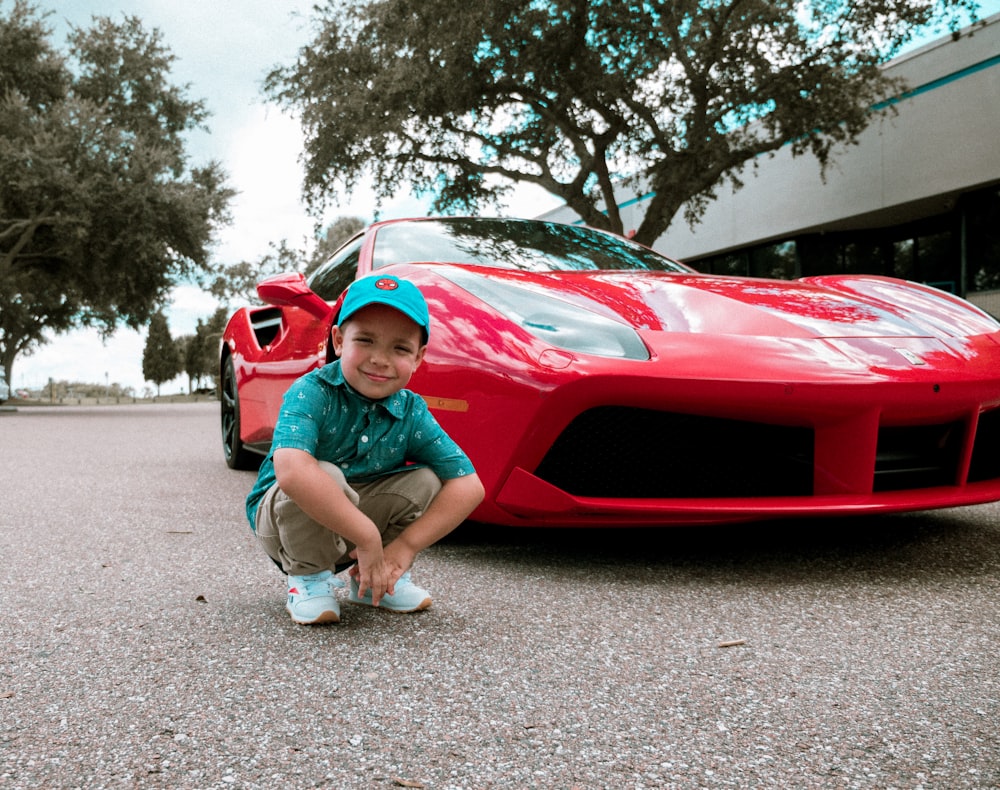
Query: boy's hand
x=457 y=498
x=396 y=560
x=373 y=573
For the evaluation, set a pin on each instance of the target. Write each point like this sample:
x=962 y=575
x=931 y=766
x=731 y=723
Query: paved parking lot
x=144 y=643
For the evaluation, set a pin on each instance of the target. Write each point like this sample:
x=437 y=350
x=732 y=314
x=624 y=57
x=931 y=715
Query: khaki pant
x=302 y=546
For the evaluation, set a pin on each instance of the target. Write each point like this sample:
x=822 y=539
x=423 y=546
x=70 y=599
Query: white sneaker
x=312 y=599
x=407 y=598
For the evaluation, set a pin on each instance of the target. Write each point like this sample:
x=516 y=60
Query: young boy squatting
x=360 y=474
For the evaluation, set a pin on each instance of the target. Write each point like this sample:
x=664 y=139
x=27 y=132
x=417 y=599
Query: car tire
x=237 y=456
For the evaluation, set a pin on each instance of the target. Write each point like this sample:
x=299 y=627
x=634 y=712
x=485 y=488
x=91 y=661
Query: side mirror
x=290 y=290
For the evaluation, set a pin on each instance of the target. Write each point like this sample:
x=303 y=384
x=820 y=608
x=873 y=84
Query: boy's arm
x=319 y=496
x=457 y=498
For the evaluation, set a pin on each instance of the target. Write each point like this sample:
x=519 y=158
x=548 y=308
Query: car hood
x=821 y=307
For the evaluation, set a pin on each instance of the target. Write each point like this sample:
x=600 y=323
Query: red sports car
x=595 y=382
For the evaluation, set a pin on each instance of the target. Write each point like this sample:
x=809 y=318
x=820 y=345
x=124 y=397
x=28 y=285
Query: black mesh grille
x=917 y=456
x=986 y=450
x=615 y=451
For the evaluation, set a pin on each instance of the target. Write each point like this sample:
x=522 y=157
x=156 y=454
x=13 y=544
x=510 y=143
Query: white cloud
x=189 y=303
x=263 y=165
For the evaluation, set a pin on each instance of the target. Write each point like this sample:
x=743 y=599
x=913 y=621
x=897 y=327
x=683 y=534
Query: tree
x=99 y=214
x=200 y=351
x=580 y=96
x=337 y=232
x=189 y=351
x=211 y=333
x=161 y=358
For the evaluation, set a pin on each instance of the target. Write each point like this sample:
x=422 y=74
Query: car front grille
x=986 y=450
x=626 y=452
x=615 y=451
x=919 y=456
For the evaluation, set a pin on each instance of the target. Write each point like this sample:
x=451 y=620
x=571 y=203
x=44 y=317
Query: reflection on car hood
x=822 y=307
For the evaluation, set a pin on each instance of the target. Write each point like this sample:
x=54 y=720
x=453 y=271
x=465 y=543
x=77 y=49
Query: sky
x=223 y=50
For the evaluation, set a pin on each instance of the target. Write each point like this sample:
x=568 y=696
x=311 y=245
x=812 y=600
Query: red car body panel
x=759 y=399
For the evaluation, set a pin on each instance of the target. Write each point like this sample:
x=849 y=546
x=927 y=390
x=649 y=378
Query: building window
x=775 y=261
x=981 y=212
x=928 y=251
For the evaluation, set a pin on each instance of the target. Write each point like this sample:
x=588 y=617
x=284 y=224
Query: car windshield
x=513 y=244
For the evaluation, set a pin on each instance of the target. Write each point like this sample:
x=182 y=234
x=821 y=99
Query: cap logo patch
x=386 y=284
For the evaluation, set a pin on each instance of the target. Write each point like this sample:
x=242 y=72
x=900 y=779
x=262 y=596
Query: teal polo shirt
x=368 y=439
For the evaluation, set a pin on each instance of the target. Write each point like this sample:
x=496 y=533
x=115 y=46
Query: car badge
x=910 y=357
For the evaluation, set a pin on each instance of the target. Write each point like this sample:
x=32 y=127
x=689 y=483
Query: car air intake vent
x=266 y=324
x=986 y=450
x=920 y=456
x=617 y=451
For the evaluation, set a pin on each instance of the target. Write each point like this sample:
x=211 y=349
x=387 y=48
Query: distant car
x=594 y=382
x=4 y=389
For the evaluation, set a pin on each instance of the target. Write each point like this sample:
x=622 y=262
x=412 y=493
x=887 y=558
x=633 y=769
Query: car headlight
x=558 y=323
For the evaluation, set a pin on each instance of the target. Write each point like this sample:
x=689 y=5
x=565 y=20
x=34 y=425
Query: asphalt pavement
x=144 y=641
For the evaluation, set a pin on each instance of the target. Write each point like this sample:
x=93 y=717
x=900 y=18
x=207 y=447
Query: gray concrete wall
x=942 y=141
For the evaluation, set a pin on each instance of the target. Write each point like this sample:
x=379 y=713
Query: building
x=917 y=198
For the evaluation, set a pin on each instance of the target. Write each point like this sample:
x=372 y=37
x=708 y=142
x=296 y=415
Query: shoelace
x=309 y=583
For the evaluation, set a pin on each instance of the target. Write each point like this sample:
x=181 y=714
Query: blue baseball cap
x=385 y=289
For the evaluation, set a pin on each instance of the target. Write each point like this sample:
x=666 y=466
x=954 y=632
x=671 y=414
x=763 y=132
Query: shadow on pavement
x=901 y=546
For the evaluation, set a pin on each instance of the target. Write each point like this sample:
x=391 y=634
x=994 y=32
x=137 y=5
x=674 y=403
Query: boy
x=360 y=474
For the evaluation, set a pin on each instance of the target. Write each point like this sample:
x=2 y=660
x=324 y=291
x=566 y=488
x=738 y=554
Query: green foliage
x=161 y=358
x=237 y=282
x=27 y=64
x=200 y=351
x=581 y=97
x=339 y=231
x=190 y=349
x=99 y=214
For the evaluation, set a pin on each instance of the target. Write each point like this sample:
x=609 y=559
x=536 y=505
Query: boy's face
x=379 y=349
